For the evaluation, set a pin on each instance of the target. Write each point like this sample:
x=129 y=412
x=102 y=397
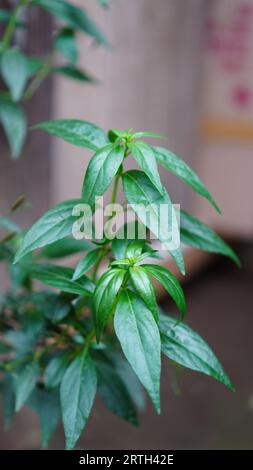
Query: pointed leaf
x=25 y=383
x=139 y=135
x=60 y=277
x=138 y=334
x=169 y=282
x=100 y=172
x=54 y=225
x=179 y=168
x=55 y=370
x=65 y=247
x=114 y=393
x=47 y=406
x=195 y=233
x=75 y=73
x=86 y=263
x=144 y=288
x=105 y=296
x=182 y=345
x=65 y=42
x=78 y=390
x=145 y=157
x=13 y=120
x=76 y=18
x=142 y=195
x=15 y=71
x=80 y=133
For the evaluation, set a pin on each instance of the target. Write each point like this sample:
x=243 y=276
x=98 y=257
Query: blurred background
x=183 y=68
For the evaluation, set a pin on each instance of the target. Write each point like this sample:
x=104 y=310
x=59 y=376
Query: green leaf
x=128 y=377
x=114 y=393
x=169 y=282
x=142 y=195
x=145 y=157
x=100 y=172
x=14 y=72
x=65 y=247
x=25 y=383
x=144 y=288
x=75 y=73
x=139 y=135
x=134 y=249
x=179 y=168
x=86 y=263
x=60 y=277
x=80 y=133
x=104 y=3
x=195 y=233
x=182 y=345
x=74 y=17
x=47 y=406
x=65 y=43
x=78 y=390
x=53 y=226
x=55 y=370
x=53 y=306
x=105 y=296
x=138 y=334
x=5 y=17
x=33 y=65
x=8 y=400
x=8 y=224
x=13 y=120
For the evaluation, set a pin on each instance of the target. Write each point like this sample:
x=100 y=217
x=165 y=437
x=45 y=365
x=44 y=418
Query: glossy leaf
x=195 y=233
x=74 y=17
x=78 y=390
x=65 y=43
x=134 y=248
x=145 y=157
x=177 y=166
x=86 y=263
x=15 y=72
x=102 y=167
x=141 y=194
x=80 y=133
x=114 y=393
x=53 y=226
x=13 y=120
x=169 y=282
x=154 y=135
x=144 y=288
x=139 y=337
x=25 y=383
x=182 y=345
x=64 y=247
x=105 y=296
x=60 y=277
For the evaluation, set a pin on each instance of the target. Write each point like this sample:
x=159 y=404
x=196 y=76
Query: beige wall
x=149 y=81
x=158 y=77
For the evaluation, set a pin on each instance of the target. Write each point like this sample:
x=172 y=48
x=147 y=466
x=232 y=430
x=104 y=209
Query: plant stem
x=12 y=23
x=38 y=79
x=115 y=188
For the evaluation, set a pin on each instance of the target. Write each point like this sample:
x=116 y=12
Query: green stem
x=38 y=79
x=7 y=37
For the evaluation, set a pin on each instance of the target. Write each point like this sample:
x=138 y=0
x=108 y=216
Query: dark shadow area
x=204 y=415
